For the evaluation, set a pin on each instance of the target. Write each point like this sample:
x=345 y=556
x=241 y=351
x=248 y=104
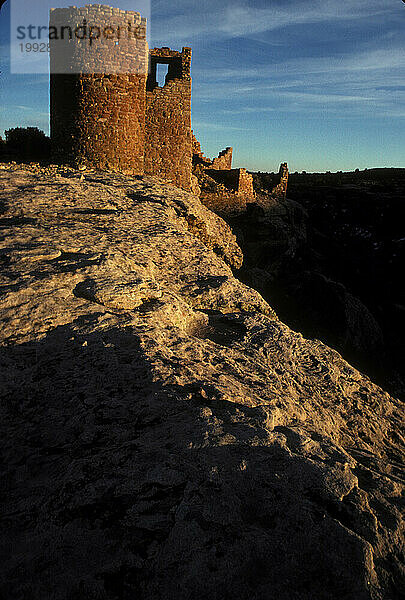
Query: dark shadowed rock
x=310 y=281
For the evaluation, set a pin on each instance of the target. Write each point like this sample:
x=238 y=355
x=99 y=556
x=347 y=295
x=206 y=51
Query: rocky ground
x=164 y=434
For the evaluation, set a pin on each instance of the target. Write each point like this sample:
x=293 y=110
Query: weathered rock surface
x=164 y=435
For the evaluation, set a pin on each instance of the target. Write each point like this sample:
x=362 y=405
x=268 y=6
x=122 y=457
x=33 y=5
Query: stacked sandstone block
x=232 y=194
x=245 y=185
x=196 y=146
x=223 y=160
x=280 y=190
x=108 y=113
x=168 y=142
x=98 y=88
x=198 y=155
x=105 y=112
x=238 y=181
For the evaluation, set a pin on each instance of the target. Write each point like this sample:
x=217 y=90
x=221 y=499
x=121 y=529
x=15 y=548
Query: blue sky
x=319 y=84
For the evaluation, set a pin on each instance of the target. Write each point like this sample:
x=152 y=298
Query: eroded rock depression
x=164 y=435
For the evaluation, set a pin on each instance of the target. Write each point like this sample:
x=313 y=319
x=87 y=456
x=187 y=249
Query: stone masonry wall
x=196 y=146
x=224 y=202
x=198 y=156
x=238 y=181
x=106 y=129
x=108 y=111
x=223 y=160
x=280 y=190
x=98 y=108
x=245 y=185
x=168 y=141
x=227 y=192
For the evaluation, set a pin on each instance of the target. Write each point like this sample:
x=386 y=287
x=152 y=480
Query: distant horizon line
x=254 y=170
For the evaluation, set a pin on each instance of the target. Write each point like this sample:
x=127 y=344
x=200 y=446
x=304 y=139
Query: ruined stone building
x=108 y=111
x=280 y=190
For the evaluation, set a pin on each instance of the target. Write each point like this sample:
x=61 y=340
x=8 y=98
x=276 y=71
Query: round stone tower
x=98 y=66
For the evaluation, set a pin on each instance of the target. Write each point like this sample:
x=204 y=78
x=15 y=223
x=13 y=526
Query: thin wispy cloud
x=217 y=126
x=249 y=109
x=355 y=82
x=233 y=19
x=245 y=19
x=32 y=111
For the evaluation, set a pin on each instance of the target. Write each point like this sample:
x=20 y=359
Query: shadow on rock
x=116 y=486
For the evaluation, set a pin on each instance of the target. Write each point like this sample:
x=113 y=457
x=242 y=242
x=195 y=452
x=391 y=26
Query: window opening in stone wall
x=161 y=72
